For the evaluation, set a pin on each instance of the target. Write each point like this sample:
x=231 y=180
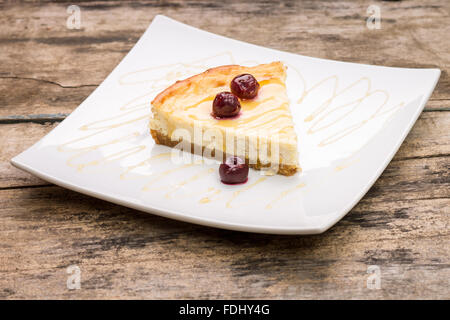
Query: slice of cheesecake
x=263 y=133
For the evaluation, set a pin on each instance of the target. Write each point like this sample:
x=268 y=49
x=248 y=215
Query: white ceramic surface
x=350 y=120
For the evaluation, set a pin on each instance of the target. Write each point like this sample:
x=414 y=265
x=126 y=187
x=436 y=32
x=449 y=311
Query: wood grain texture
x=401 y=225
x=125 y=253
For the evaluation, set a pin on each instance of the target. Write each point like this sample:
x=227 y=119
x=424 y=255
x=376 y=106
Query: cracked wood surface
x=401 y=225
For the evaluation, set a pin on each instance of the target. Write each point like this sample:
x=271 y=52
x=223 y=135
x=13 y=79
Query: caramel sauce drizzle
x=324 y=111
x=214 y=193
x=266 y=119
x=284 y=194
x=112 y=157
x=345 y=164
x=246 y=188
x=189 y=180
x=146 y=162
x=161 y=175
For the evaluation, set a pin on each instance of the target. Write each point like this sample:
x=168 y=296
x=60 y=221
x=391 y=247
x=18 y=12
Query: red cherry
x=244 y=86
x=226 y=105
x=233 y=171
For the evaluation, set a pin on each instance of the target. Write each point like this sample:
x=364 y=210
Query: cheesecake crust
x=283 y=169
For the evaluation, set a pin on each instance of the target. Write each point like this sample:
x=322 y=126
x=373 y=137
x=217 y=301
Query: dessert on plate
x=246 y=109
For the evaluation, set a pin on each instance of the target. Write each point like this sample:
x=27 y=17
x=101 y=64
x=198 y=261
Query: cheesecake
x=262 y=133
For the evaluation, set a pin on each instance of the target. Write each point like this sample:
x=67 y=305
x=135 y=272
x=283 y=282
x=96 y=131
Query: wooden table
x=401 y=225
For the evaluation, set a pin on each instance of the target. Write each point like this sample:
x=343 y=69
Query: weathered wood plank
x=128 y=254
x=15 y=139
x=22 y=97
x=401 y=225
x=429 y=138
x=38 y=45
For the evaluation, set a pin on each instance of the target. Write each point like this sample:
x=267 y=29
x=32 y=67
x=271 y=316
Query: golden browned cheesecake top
x=218 y=77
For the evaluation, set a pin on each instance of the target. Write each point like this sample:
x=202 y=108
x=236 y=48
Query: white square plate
x=350 y=120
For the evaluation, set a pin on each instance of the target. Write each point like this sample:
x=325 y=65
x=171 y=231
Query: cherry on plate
x=233 y=171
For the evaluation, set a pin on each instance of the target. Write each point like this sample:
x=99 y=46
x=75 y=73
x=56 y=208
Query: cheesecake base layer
x=283 y=169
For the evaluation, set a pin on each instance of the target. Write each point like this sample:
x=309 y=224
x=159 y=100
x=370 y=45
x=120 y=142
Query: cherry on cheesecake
x=233 y=171
x=245 y=86
x=226 y=105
